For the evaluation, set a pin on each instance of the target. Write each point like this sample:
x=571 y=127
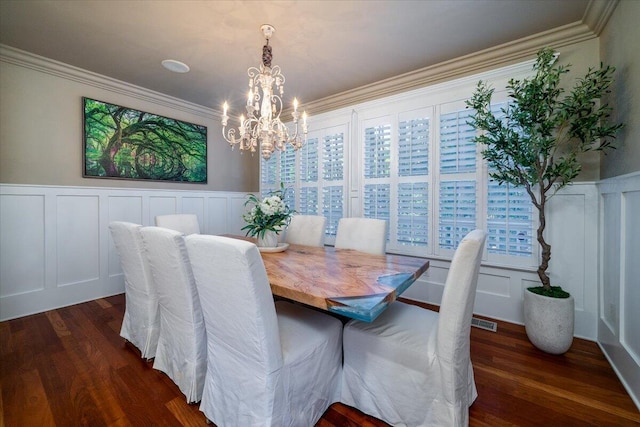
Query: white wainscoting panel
x=22 y=251
x=162 y=205
x=194 y=205
x=121 y=208
x=630 y=316
x=218 y=211
x=56 y=248
x=619 y=309
x=610 y=292
x=77 y=239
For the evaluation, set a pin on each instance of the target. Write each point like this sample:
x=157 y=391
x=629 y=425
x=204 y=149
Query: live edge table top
x=347 y=282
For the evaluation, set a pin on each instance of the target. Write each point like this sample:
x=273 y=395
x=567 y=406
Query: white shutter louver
x=308 y=201
x=268 y=169
x=457 y=149
x=509 y=220
x=377 y=151
x=309 y=161
x=413 y=147
x=333 y=158
x=288 y=166
x=413 y=215
x=332 y=207
x=457 y=215
x=377 y=201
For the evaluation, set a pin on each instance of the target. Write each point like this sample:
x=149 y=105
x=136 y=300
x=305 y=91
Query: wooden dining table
x=343 y=281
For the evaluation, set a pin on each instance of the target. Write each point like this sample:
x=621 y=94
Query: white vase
x=549 y=322
x=269 y=240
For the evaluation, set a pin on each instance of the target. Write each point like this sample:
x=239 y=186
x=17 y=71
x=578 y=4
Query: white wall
x=55 y=245
x=619 y=317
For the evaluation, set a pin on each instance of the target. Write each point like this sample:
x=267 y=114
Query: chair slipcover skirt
x=181 y=352
x=141 y=322
x=269 y=364
x=412 y=366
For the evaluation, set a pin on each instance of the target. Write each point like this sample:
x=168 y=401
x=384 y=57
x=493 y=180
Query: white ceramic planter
x=270 y=240
x=549 y=322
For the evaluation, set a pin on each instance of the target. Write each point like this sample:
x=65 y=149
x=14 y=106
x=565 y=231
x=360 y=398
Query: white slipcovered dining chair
x=306 y=230
x=141 y=322
x=184 y=223
x=411 y=366
x=181 y=352
x=362 y=234
x=268 y=364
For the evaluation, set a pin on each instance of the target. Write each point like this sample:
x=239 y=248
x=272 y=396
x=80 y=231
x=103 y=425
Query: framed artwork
x=124 y=143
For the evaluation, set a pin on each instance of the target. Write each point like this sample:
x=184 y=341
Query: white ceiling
x=323 y=47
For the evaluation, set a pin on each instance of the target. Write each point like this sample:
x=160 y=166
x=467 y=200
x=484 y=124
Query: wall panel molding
x=619 y=290
x=500 y=290
x=55 y=244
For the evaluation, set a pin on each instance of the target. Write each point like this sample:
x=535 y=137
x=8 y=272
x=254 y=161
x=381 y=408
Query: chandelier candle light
x=262 y=126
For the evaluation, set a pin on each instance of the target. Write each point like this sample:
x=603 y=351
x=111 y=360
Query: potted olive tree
x=534 y=143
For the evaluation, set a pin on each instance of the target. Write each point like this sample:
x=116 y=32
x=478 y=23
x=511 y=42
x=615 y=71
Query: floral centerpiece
x=267 y=217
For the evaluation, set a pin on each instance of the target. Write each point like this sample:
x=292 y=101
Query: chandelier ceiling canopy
x=262 y=128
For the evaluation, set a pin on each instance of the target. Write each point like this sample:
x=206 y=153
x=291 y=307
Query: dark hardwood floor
x=69 y=367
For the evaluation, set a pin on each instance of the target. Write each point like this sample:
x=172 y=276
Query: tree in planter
x=537 y=143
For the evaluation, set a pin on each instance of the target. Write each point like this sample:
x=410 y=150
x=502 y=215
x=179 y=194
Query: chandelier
x=262 y=127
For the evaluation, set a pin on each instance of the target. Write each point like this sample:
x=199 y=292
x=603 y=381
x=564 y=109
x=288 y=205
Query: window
x=509 y=220
x=414 y=164
x=308 y=182
x=457 y=215
x=395 y=165
x=314 y=176
x=377 y=170
x=333 y=157
x=412 y=221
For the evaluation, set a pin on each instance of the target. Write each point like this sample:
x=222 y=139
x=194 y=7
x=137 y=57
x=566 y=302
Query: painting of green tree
x=121 y=142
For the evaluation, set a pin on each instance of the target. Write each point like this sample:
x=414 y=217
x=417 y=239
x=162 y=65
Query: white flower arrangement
x=270 y=214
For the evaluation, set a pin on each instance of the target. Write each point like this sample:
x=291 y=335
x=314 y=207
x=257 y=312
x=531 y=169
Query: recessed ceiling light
x=175 y=66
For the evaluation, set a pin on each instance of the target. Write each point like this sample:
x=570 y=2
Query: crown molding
x=598 y=13
x=498 y=56
x=41 y=64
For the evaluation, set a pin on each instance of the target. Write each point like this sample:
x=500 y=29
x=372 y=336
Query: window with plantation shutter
x=333 y=157
x=308 y=178
x=415 y=164
x=308 y=201
x=413 y=214
x=376 y=196
x=288 y=166
x=333 y=176
x=412 y=220
x=332 y=207
x=509 y=220
x=377 y=151
x=395 y=165
x=457 y=149
x=413 y=147
x=457 y=214
x=377 y=201
x=309 y=161
x=509 y=214
x=458 y=176
x=268 y=171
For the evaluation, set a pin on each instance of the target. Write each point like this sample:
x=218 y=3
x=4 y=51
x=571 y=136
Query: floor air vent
x=484 y=324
